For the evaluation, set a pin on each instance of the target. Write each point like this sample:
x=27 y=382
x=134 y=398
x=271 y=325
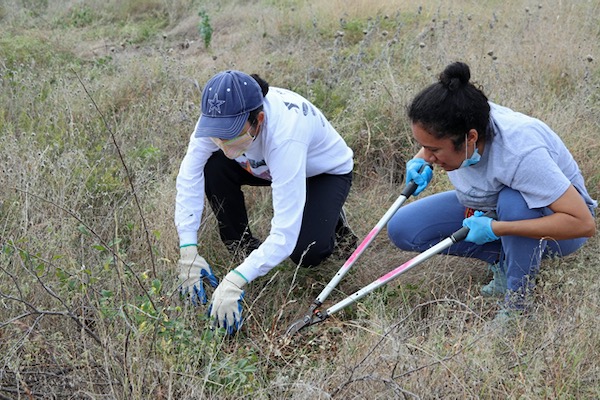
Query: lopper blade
x=313 y=316
x=298 y=325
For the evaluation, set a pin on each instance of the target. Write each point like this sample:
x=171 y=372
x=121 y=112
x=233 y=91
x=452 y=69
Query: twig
x=86 y=226
x=394 y=327
x=129 y=177
x=395 y=387
x=68 y=313
x=260 y=294
x=29 y=393
x=368 y=138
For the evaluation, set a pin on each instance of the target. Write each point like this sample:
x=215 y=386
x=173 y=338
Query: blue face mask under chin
x=474 y=159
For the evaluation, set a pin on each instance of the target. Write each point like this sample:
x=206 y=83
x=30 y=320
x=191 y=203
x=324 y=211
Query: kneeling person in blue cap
x=253 y=134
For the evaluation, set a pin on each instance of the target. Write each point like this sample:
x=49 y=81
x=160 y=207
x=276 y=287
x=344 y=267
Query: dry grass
x=87 y=276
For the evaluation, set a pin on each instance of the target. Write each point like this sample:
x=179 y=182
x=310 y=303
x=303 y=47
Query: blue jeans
x=423 y=223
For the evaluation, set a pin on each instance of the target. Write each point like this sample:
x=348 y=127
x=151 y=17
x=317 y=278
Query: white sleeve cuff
x=249 y=272
x=188 y=238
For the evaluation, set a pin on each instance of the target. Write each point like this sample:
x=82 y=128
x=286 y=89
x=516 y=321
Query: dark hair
x=264 y=87
x=452 y=106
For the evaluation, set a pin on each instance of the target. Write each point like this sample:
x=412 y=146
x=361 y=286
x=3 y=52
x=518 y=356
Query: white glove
x=192 y=270
x=226 y=303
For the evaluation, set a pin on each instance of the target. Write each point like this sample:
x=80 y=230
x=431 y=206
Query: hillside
x=98 y=101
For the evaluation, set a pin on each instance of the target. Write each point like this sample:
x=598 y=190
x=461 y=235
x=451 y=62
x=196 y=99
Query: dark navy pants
x=325 y=196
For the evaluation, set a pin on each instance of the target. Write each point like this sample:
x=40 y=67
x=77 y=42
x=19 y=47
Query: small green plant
x=80 y=17
x=205 y=28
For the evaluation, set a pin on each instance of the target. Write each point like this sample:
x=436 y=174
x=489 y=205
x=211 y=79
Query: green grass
x=88 y=307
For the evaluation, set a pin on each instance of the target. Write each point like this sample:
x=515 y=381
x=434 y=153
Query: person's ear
x=261 y=117
x=472 y=136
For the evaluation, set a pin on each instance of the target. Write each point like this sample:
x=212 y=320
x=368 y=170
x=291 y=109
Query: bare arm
x=571 y=219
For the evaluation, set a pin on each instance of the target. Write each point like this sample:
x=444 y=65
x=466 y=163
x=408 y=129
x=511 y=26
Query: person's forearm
x=557 y=226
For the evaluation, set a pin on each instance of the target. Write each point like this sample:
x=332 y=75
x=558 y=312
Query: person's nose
x=429 y=157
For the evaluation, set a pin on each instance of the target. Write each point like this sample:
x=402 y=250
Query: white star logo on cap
x=215 y=104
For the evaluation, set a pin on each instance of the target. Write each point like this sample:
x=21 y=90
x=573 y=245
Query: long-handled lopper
x=314 y=315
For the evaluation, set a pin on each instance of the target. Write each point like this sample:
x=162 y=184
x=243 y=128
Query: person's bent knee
x=309 y=257
x=513 y=207
x=400 y=236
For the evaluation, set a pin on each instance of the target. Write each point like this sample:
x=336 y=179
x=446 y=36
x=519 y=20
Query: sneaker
x=514 y=310
x=345 y=238
x=497 y=286
x=504 y=321
x=506 y=315
x=243 y=247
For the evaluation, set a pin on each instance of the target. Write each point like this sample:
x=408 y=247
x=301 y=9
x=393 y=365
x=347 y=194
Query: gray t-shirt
x=525 y=155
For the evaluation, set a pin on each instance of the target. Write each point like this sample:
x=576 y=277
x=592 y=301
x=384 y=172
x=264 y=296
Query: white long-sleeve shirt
x=295 y=142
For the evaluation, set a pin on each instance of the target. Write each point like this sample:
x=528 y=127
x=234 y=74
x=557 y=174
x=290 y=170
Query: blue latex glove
x=421 y=179
x=480 y=228
x=193 y=270
x=226 y=302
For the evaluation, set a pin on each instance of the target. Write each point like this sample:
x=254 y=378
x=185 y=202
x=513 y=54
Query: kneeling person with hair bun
x=496 y=159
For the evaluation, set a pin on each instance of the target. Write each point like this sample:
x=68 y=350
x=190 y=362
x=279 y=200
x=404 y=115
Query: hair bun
x=455 y=76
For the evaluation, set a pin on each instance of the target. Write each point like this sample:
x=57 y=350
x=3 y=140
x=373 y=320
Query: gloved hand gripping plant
x=193 y=271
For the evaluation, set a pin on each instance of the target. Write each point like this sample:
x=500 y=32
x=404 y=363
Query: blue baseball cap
x=227 y=100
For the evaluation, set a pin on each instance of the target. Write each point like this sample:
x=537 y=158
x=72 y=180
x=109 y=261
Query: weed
x=79 y=16
x=205 y=28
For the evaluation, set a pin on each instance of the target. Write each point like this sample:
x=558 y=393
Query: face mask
x=474 y=159
x=235 y=147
